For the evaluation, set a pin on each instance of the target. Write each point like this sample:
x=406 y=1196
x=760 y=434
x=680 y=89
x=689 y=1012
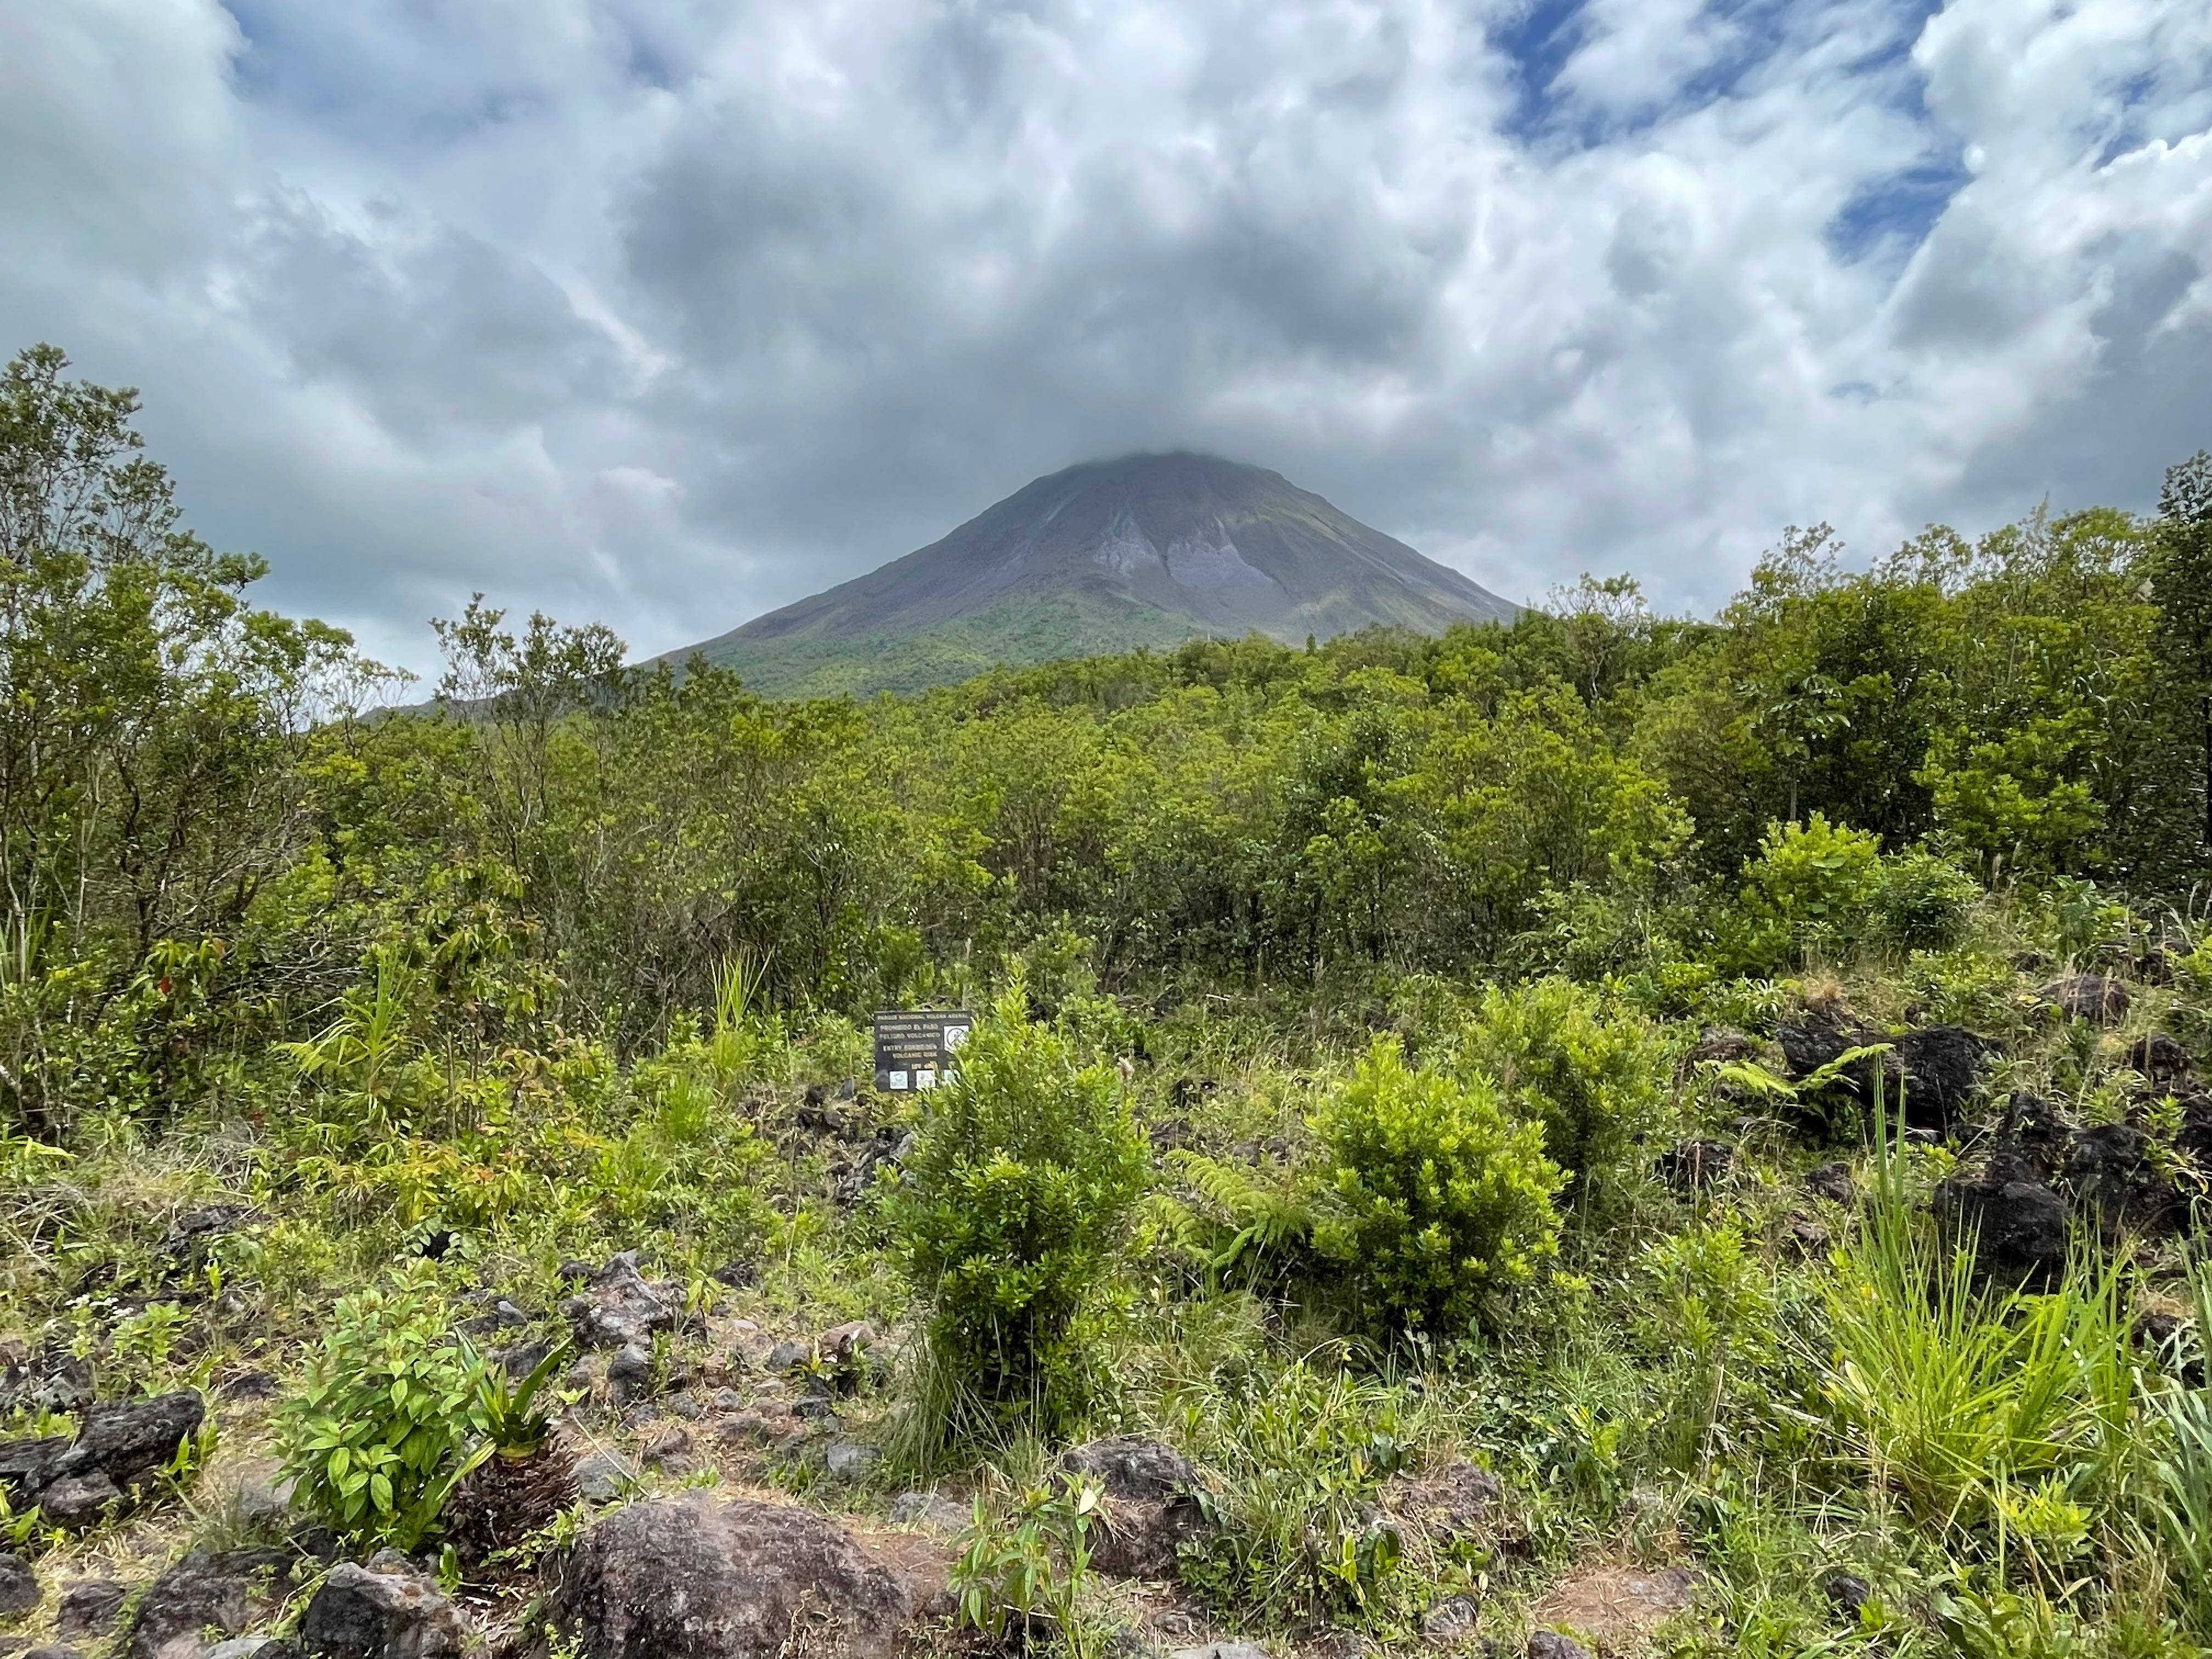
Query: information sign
x=915 y=1048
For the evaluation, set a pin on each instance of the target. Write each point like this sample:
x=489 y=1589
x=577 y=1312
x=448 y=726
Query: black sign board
x=916 y=1047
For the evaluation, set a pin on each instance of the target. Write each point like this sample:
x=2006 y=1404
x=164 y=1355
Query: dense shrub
x=375 y=1438
x=1437 y=1199
x=1813 y=887
x=1009 y=1216
x=1596 y=1083
x=1924 y=902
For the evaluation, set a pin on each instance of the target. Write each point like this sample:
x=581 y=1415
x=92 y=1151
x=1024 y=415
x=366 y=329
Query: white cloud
x=667 y=313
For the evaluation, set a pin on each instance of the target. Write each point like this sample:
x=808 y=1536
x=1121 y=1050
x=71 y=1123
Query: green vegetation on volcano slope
x=1420 y=1081
x=1013 y=635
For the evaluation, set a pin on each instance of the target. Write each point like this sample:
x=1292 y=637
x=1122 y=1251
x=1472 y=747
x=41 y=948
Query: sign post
x=915 y=1048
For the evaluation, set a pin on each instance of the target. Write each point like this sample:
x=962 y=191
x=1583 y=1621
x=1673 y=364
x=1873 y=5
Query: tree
x=2181 y=585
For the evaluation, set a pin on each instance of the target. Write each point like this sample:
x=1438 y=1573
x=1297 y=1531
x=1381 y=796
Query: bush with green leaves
x=1435 y=1199
x=1596 y=1081
x=383 y=1427
x=1812 y=888
x=1008 y=1218
x=1924 y=902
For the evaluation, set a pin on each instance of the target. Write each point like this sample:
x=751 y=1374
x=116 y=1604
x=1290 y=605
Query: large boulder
x=2017 y=1224
x=2097 y=998
x=360 y=1612
x=618 y=1309
x=1931 y=1073
x=693 y=1578
x=2113 y=1174
x=1152 y=1508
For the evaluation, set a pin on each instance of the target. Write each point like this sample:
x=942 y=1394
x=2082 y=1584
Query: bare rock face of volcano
x=1147 y=550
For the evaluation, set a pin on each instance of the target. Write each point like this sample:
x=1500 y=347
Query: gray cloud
x=667 y=313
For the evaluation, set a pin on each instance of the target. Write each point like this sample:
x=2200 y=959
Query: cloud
x=667 y=314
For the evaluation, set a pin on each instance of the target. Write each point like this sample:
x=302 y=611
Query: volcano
x=1106 y=557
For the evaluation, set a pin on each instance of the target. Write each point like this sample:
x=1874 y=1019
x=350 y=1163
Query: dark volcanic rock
x=1152 y=1505
x=2163 y=1061
x=697 y=1579
x=2018 y=1224
x=1940 y=1068
x=361 y=1614
x=1831 y=1181
x=76 y=1501
x=2111 y=1173
x=1694 y=1166
x=1550 y=1644
x=1931 y=1073
x=129 y=1440
x=89 y=1607
x=616 y=1308
x=19 y=1585
x=2094 y=997
x=200 y=1592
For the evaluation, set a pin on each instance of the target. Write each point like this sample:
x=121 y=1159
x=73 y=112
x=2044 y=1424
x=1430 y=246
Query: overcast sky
x=667 y=312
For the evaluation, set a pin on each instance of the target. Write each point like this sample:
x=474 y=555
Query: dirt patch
x=1618 y=1606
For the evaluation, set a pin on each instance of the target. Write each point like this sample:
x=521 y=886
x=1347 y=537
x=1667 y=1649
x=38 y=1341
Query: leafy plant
x=1435 y=1199
x=1029 y=1568
x=379 y=1432
x=1597 y=1083
x=1008 y=1217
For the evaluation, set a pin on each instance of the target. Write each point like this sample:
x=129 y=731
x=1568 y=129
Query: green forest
x=1614 y=1134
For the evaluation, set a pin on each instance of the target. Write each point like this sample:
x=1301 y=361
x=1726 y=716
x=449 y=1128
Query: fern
x=1246 y=1214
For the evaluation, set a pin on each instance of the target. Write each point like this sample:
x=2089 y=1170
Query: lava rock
x=2163 y=1061
x=1847 y=1593
x=631 y=1369
x=2097 y=998
x=361 y=1615
x=1940 y=1067
x=1451 y=1505
x=89 y=1606
x=932 y=1511
x=1550 y=1644
x=616 y=1308
x=693 y=1578
x=2018 y=1225
x=19 y=1585
x=849 y=1459
x=199 y=1592
x=1832 y=1181
x=1694 y=1166
x=1152 y=1508
x=1451 y=1620
x=2112 y=1174
x=128 y=1440
x=77 y=1501
x=789 y=1355
x=1721 y=1045
x=601 y=1479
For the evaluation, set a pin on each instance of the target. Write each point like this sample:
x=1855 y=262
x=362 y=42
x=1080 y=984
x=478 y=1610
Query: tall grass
x=2181 y=1468
x=1972 y=1409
